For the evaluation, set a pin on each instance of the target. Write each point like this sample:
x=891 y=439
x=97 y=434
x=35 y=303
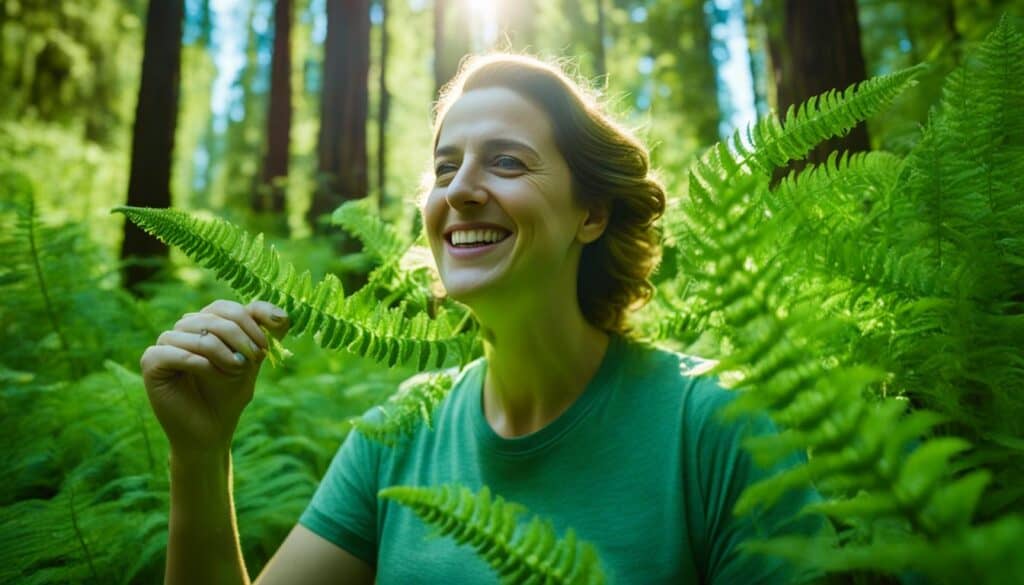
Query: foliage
x=519 y=554
x=357 y=322
x=415 y=401
x=849 y=293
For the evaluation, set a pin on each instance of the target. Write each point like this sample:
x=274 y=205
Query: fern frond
x=388 y=249
x=356 y=323
x=414 y=402
x=771 y=143
x=754 y=259
x=988 y=555
x=380 y=240
x=529 y=553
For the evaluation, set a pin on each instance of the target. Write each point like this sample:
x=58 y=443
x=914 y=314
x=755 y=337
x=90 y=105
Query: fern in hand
x=530 y=553
x=357 y=323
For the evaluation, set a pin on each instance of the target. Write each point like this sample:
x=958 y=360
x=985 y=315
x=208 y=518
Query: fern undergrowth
x=872 y=306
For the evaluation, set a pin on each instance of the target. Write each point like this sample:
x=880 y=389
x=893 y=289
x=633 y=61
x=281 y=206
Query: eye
x=445 y=168
x=508 y=163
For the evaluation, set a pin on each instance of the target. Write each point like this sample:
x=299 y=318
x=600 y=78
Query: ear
x=594 y=223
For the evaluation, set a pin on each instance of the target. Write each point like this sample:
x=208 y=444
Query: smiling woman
x=518 y=103
x=541 y=220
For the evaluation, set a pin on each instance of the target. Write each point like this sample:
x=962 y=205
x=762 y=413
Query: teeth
x=462 y=237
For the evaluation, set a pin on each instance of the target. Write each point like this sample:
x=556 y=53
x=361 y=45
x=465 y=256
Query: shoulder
x=683 y=377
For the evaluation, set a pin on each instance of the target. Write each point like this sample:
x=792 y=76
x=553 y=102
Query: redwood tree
x=384 y=108
x=153 y=137
x=269 y=198
x=814 y=48
x=341 y=148
x=451 y=43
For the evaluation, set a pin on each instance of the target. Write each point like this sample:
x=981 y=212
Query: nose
x=466 y=188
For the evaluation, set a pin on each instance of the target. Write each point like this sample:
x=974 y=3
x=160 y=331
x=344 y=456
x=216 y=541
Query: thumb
x=270 y=316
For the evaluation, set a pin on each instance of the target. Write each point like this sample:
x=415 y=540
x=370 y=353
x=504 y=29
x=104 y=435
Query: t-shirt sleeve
x=725 y=470
x=344 y=507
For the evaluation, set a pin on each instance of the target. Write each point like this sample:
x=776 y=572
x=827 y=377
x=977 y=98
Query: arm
x=199 y=376
x=203 y=545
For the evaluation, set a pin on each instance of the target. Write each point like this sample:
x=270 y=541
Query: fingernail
x=253 y=347
x=239 y=358
x=278 y=316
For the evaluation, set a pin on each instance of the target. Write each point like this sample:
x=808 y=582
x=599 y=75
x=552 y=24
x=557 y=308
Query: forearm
x=202 y=545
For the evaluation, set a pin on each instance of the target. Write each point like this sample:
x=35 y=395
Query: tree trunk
x=515 y=23
x=681 y=29
x=600 y=60
x=816 y=49
x=153 y=136
x=384 y=109
x=450 y=45
x=270 y=197
x=341 y=148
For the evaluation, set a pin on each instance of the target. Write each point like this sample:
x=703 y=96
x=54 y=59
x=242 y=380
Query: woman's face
x=501 y=218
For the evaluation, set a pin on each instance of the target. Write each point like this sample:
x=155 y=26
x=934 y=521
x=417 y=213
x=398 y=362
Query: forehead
x=495 y=112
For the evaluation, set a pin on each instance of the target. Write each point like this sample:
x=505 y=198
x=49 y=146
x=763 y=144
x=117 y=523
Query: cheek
x=431 y=212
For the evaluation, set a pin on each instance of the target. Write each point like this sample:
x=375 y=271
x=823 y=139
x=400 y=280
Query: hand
x=201 y=375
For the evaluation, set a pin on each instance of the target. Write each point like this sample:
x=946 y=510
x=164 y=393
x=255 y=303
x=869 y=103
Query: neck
x=537 y=365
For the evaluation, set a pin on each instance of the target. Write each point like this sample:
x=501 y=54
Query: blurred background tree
x=286 y=108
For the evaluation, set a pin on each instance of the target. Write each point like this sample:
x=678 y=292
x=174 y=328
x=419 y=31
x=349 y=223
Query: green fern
x=385 y=247
x=531 y=553
x=831 y=293
x=771 y=142
x=415 y=401
x=381 y=241
x=357 y=323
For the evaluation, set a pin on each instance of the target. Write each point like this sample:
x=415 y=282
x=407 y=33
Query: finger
x=228 y=331
x=271 y=316
x=208 y=346
x=237 y=313
x=165 y=361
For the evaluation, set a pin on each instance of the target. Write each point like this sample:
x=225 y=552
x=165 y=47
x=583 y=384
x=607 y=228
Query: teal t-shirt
x=639 y=465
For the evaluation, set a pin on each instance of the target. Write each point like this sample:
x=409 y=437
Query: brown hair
x=609 y=167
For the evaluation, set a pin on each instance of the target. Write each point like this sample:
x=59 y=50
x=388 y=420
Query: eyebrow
x=491 y=145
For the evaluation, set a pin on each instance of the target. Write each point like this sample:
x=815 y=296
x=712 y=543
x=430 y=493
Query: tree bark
x=341 y=148
x=153 y=137
x=384 y=109
x=816 y=49
x=270 y=197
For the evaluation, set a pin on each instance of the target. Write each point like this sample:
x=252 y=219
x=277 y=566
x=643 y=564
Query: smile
x=472 y=243
x=473 y=238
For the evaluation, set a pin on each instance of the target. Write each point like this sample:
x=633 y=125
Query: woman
x=540 y=219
